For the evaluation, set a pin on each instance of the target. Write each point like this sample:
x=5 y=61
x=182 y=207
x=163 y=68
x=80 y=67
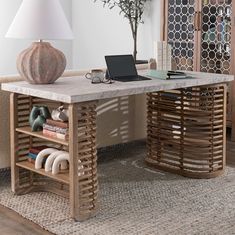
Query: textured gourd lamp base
x=41 y=63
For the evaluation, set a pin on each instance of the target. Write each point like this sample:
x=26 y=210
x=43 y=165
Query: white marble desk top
x=80 y=89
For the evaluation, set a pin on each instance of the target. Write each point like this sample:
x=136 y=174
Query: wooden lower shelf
x=39 y=134
x=62 y=177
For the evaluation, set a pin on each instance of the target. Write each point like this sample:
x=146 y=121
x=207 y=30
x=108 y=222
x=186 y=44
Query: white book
x=158 y=50
x=169 y=55
x=163 y=54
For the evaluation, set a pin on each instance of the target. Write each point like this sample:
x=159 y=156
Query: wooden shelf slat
x=63 y=176
x=39 y=134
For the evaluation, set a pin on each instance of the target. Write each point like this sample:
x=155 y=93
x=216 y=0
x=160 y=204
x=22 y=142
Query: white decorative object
x=96 y=75
x=51 y=159
x=60 y=159
x=63 y=157
x=60 y=114
x=51 y=154
x=40 y=20
x=41 y=156
x=163 y=55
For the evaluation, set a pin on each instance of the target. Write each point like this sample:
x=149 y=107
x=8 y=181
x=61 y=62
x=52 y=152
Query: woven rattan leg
x=83 y=160
x=14 y=139
x=187 y=131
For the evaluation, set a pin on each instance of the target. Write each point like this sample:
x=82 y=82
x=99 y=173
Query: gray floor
x=13 y=224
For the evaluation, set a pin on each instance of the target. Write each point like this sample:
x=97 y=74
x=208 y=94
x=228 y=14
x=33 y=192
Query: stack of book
x=33 y=153
x=163 y=55
x=56 y=129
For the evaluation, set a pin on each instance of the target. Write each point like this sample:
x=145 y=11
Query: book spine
x=36 y=150
x=158 y=54
x=56 y=123
x=169 y=55
x=164 y=56
x=54 y=134
x=32 y=156
x=55 y=129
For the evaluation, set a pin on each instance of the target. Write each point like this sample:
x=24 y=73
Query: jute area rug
x=136 y=200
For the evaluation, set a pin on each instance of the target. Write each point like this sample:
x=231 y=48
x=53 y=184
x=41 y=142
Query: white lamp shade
x=39 y=20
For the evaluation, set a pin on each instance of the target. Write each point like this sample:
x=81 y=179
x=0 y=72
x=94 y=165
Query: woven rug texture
x=136 y=199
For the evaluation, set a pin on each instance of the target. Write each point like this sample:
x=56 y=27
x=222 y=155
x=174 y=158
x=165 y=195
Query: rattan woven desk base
x=186 y=131
x=186 y=135
x=82 y=189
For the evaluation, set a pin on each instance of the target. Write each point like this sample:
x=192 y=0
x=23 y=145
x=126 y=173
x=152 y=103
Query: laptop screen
x=121 y=66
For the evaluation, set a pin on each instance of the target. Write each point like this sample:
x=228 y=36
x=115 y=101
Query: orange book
x=57 y=123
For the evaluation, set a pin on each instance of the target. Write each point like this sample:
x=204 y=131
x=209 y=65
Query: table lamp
x=40 y=20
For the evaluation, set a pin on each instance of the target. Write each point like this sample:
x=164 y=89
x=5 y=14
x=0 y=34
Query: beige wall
x=121 y=120
x=99 y=31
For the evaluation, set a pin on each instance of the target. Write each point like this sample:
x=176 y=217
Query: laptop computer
x=122 y=68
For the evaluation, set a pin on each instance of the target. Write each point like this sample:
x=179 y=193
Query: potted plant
x=132 y=10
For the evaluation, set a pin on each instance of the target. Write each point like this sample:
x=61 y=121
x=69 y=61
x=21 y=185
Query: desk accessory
x=167 y=75
x=122 y=68
x=60 y=162
x=96 y=76
x=51 y=158
x=55 y=160
x=60 y=114
x=41 y=20
x=38 y=116
x=42 y=155
x=176 y=74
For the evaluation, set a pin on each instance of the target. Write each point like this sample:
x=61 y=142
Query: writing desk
x=181 y=110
